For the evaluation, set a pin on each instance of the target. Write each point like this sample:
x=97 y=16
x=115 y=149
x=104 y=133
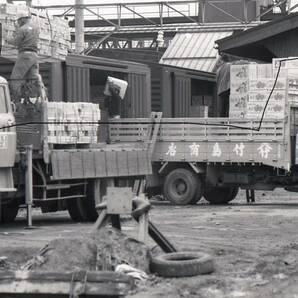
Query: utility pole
x=79 y=26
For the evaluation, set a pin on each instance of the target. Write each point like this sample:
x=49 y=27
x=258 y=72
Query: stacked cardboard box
x=72 y=123
x=288 y=68
x=250 y=94
x=260 y=90
x=293 y=90
x=239 y=86
x=54 y=36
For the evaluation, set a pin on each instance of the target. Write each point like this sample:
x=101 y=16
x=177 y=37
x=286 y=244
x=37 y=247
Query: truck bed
x=214 y=140
x=79 y=161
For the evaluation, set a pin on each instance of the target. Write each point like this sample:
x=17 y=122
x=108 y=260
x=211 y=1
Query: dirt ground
x=255 y=247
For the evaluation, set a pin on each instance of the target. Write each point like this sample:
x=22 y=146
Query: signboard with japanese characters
x=230 y=152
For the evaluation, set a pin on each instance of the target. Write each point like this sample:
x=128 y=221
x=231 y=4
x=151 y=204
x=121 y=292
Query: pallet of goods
x=251 y=85
x=54 y=32
x=72 y=123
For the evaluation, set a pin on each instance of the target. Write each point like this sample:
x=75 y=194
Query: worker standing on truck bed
x=26 y=69
x=113 y=101
x=223 y=86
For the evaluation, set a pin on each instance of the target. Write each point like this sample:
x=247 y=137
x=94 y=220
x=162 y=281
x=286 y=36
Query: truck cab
x=7 y=139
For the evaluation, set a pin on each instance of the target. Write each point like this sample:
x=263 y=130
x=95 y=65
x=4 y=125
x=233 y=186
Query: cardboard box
x=238 y=102
x=273 y=110
x=243 y=72
x=290 y=62
x=237 y=114
x=53 y=31
x=239 y=88
x=264 y=71
x=263 y=95
x=121 y=85
x=267 y=83
x=64 y=115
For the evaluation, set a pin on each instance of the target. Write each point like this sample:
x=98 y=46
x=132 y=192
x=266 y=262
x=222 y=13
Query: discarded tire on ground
x=220 y=195
x=181 y=186
x=182 y=264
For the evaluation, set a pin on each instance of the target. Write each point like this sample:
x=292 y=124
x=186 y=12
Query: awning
x=277 y=38
x=193 y=50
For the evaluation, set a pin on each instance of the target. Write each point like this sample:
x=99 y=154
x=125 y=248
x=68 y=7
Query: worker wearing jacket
x=113 y=101
x=26 y=67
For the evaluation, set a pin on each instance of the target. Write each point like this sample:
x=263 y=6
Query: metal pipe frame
x=160 y=4
x=163 y=10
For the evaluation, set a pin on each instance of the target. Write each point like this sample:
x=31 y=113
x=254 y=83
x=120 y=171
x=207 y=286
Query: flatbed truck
x=34 y=171
x=214 y=157
x=186 y=158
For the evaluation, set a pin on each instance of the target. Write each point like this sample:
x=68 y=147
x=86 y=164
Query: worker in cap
x=26 y=69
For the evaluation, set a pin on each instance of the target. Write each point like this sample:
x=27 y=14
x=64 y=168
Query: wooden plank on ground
x=64 y=284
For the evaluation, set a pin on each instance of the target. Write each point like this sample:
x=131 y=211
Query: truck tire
x=73 y=210
x=9 y=210
x=182 y=264
x=200 y=192
x=90 y=202
x=76 y=207
x=181 y=186
x=220 y=195
x=83 y=209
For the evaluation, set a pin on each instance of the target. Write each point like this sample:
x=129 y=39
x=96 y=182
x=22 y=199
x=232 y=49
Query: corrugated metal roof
x=193 y=50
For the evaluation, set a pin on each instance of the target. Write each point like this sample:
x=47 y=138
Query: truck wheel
x=91 y=200
x=200 y=192
x=76 y=207
x=220 y=195
x=74 y=210
x=9 y=210
x=181 y=186
x=83 y=209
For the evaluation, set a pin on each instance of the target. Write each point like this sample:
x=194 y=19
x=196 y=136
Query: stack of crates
x=72 y=123
x=54 y=32
x=288 y=70
x=251 y=85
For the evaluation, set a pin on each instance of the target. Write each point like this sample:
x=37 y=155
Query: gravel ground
x=255 y=247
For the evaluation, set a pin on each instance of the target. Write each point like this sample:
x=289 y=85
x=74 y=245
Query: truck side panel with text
x=215 y=156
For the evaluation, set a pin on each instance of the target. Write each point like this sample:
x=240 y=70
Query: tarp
x=222 y=69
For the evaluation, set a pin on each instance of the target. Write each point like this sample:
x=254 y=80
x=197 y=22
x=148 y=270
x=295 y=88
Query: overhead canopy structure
x=277 y=38
x=193 y=50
